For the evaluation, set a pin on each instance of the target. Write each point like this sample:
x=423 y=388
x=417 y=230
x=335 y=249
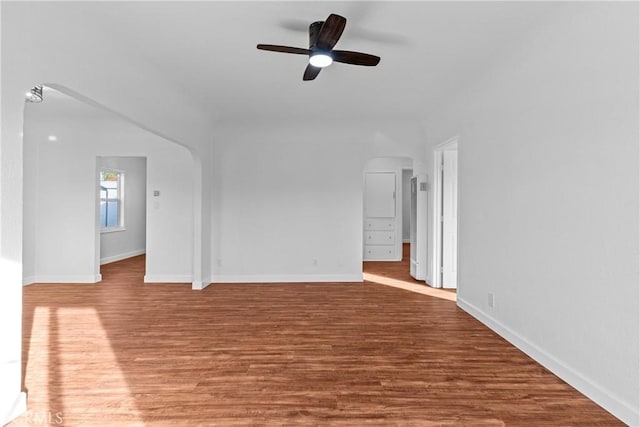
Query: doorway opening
x=387 y=218
x=67 y=141
x=383 y=208
x=395 y=207
x=122 y=200
x=445 y=244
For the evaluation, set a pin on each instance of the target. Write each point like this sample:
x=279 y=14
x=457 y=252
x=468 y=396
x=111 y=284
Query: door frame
x=100 y=261
x=448 y=145
x=402 y=196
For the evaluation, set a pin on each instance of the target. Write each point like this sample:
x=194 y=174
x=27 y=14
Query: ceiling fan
x=323 y=36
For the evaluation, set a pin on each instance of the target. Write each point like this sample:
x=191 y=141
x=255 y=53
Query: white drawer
x=378 y=252
x=379 y=237
x=379 y=223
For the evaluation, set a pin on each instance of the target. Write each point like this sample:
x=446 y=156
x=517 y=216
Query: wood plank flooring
x=124 y=353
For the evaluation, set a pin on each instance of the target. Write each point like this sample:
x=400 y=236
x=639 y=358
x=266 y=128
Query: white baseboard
x=120 y=257
x=13 y=401
x=600 y=395
x=167 y=278
x=198 y=286
x=74 y=279
x=17 y=408
x=288 y=278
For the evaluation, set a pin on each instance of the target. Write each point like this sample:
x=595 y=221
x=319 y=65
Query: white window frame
x=119 y=198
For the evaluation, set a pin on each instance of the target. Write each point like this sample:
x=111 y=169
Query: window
x=111 y=192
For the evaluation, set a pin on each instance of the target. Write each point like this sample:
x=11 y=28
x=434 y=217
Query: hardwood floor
x=125 y=353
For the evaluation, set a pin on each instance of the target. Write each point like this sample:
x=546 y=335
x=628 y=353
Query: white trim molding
x=290 y=278
x=625 y=411
x=18 y=408
x=198 y=286
x=120 y=257
x=13 y=401
x=29 y=280
x=167 y=278
x=436 y=242
x=81 y=279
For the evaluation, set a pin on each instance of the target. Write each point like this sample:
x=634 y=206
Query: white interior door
x=450 y=219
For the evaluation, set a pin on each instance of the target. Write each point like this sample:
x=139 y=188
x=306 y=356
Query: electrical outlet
x=491 y=300
x=314 y=261
x=219 y=262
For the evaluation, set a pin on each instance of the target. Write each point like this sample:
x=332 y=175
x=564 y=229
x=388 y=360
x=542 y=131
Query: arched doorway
x=66 y=142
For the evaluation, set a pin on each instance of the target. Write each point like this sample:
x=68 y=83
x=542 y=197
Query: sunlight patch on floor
x=73 y=372
x=408 y=286
x=39 y=359
x=95 y=366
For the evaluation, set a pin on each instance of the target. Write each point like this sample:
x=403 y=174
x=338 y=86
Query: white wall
x=65 y=245
x=130 y=241
x=64 y=218
x=294 y=199
x=549 y=198
x=170 y=219
x=285 y=197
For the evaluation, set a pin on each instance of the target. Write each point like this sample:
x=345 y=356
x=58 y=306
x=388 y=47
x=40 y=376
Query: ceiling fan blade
x=311 y=72
x=283 y=49
x=331 y=31
x=355 y=58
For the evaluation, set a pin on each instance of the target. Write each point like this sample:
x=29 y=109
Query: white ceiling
x=208 y=49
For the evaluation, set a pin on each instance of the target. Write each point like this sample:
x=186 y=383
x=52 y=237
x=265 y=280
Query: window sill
x=112 y=229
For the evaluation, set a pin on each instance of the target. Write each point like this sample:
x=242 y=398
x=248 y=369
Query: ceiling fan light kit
x=320 y=59
x=323 y=36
